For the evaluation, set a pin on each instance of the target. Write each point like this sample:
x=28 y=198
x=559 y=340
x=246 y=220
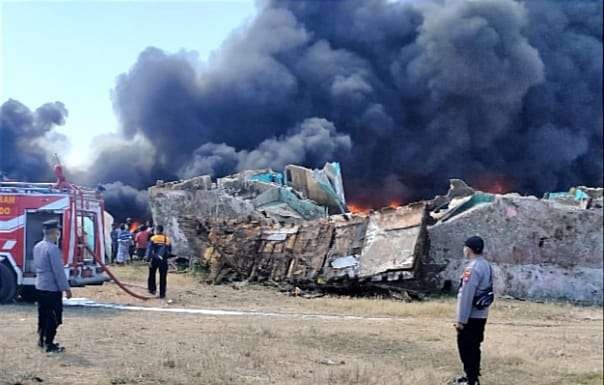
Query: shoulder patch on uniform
x=467 y=273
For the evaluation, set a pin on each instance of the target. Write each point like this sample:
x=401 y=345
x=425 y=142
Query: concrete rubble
x=293 y=196
x=292 y=227
x=547 y=248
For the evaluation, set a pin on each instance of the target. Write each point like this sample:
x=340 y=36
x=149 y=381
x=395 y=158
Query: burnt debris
x=292 y=228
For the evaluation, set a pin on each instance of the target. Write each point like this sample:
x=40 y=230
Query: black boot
x=54 y=348
x=461 y=380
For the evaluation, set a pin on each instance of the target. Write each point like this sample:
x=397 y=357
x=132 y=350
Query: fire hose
x=63 y=183
x=117 y=281
x=114 y=278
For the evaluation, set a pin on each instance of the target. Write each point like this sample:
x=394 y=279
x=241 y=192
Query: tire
x=8 y=284
x=27 y=294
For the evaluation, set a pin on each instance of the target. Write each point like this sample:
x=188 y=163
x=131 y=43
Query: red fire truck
x=24 y=207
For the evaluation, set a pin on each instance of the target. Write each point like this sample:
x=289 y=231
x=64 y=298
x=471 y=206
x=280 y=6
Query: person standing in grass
x=115 y=229
x=158 y=252
x=473 y=300
x=51 y=281
x=141 y=241
x=124 y=241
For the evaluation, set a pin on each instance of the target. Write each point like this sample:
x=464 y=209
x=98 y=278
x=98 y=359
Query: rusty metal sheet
x=391 y=240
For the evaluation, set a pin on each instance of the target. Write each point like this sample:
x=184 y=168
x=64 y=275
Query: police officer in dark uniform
x=51 y=281
x=473 y=301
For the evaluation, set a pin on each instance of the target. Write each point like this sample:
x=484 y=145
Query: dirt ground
x=390 y=342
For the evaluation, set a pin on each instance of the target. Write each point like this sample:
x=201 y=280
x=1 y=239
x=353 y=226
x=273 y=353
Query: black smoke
x=405 y=94
x=124 y=201
x=315 y=139
x=28 y=141
x=412 y=93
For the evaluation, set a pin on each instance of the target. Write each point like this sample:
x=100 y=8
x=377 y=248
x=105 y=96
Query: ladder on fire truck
x=12 y=266
x=79 y=198
x=81 y=195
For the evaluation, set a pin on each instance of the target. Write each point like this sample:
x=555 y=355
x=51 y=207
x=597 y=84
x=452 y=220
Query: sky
x=72 y=51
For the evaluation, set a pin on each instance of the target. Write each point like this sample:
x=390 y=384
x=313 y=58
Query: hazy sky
x=72 y=51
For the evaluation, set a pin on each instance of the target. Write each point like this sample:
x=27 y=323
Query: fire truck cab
x=24 y=207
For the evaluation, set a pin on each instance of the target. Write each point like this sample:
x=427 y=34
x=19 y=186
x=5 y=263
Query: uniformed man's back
x=476 y=280
x=476 y=284
x=50 y=283
x=48 y=262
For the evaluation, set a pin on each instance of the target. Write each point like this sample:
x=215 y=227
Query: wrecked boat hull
x=242 y=229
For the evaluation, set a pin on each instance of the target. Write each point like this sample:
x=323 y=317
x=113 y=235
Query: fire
x=364 y=207
x=356 y=208
x=394 y=204
x=134 y=226
x=496 y=188
x=494 y=184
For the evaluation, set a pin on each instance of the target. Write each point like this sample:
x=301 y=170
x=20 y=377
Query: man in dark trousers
x=115 y=229
x=158 y=251
x=50 y=283
x=476 y=281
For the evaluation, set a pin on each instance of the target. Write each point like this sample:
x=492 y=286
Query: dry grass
x=185 y=290
x=526 y=343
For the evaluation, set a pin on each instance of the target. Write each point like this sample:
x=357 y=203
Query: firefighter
x=473 y=301
x=158 y=251
x=50 y=283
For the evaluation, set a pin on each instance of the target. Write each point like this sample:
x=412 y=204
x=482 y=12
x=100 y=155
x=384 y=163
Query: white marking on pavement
x=85 y=302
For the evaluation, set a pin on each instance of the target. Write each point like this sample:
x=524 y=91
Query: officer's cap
x=475 y=243
x=51 y=224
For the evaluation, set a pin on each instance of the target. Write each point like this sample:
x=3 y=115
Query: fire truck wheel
x=27 y=294
x=8 y=284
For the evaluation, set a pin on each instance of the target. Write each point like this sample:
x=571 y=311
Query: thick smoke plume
x=27 y=144
x=315 y=139
x=125 y=201
x=405 y=94
x=505 y=94
x=27 y=140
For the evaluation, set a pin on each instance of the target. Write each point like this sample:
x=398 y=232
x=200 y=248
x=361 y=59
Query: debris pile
x=293 y=196
x=540 y=248
x=381 y=246
x=292 y=227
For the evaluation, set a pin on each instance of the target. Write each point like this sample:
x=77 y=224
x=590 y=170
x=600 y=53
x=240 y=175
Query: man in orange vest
x=158 y=251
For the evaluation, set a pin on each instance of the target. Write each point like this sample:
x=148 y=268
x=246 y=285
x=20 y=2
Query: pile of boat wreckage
x=292 y=228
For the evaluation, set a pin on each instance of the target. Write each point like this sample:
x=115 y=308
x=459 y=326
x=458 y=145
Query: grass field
x=526 y=343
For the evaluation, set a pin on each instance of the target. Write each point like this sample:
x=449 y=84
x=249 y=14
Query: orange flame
x=134 y=226
x=394 y=204
x=496 y=188
x=494 y=184
x=356 y=208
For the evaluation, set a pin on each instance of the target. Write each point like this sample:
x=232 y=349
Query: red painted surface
x=13 y=207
